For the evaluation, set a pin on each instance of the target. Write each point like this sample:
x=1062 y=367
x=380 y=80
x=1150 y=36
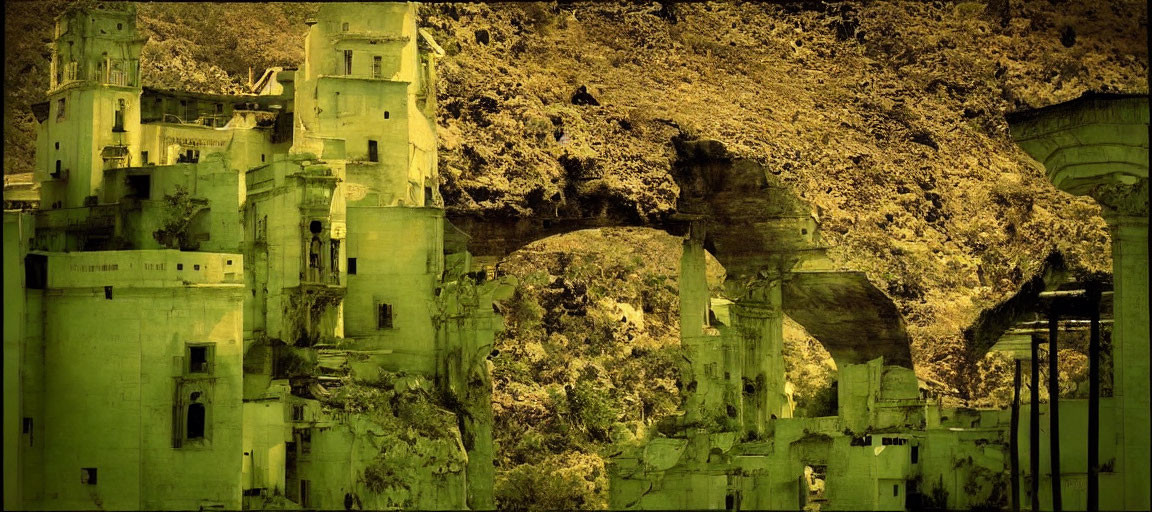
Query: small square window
x=179 y=266
x=229 y=262
x=88 y=476
x=196 y=267
x=351 y=266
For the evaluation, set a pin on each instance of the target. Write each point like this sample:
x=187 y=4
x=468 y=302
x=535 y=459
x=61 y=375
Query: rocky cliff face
x=886 y=117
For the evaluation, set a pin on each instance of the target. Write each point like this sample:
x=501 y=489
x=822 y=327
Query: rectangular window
x=140 y=186
x=297 y=413
x=199 y=359
x=347 y=62
x=377 y=65
x=60 y=103
x=915 y=454
x=305 y=441
x=305 y=493
x=27 y=429
x=118 y=120
x=108 y=292
x=895 y=489
x=144 y=157
x=351 y=266
x=373 y=153
x=383 y=316
x=88 y=476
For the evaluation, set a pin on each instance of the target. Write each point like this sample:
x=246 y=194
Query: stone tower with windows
x=93 y=115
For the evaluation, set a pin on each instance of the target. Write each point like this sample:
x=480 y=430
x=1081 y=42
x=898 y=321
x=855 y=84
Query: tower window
x=383 y=316
x=347 y=62
x=915 y=454
x=57 y=145
x=60 y=103
x=377 y=65
x=108 y=292
x=57 y=173
x=118 y=120
x=386 y=114
x=373 y=154
x=351 y=266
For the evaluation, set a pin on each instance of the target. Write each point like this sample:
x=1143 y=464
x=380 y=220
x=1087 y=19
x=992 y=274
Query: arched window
x=195 y=422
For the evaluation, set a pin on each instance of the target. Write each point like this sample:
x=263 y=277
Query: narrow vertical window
x=194 y=428
x=351 y=266
x=60 y=104
x=377 y=66
x=383 y=316
x=118 y=120
x=373 y=154
x=144 y=157
x=344 y=26
x=347 y=62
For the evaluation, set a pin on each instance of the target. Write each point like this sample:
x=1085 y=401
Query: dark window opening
x=428 y=197
x=118 y=120
x=344 y=26
x=377 y=66
x=315 y=227
x=373 y=155
x=88 y=476
x=915 y=454
x=140 y=186
x=27 y=429
x=297 y=413
x=60 y=109
x=305 y=440
x=351 y=266
x=386 y=114
x=195 y=425
x=144 y=157
x=119 y=26
x=179 y=266
x=57 y=173
x=219 y=108
x=196 y=267
x=305 y=493
x=347 y=62
x=895 y=489
x=57 y=145
x=35 y=271
x=861 y=441
x=383 y=316
x=190 y=156
x=108 y=292
x=229 y=262
x=261 y=157
x=198 y=359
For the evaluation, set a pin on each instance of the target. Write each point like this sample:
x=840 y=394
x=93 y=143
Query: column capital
x=1123 y=204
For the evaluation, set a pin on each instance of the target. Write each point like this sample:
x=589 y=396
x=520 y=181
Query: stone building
x=205 y=272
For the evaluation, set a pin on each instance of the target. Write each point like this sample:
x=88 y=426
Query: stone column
x=1126 y=211
x=1097 y=146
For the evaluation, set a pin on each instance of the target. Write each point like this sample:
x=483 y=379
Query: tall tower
x=94 y=103
x=366 y=95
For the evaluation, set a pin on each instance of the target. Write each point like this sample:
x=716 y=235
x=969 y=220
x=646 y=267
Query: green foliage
x=181 y=208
